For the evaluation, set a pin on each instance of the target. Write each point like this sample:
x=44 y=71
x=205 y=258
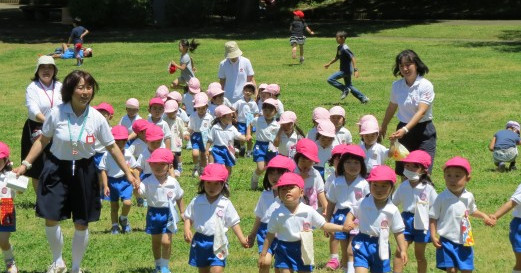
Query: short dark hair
x=225 y=191
x=71 y=80
x=265 y=105
x=340 y=167
x=54 y=77
x=410 y=56
x=341 y=33
x=266 y=182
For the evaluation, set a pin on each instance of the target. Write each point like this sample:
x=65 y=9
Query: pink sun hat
x=157 y=101
x=369 y=127
x=458 y=161
x=162 y=92
x=154 y=133
x=282 y=162
x=320 y=113
x=119 y=132
x=365 y=118
x=132 y=103
x=288 y=117
x=337 y=111
x=354 y=150
x=4 y=150
x=140 y=125
x=326 y=128
x=161 y=155
x=194 y=85
x=215 y=85
x=200 y=100
x=273 y=102
x=263 y=86
x=171 y=106
x=382 y=173
x=214 y=173
x=290 y=179
x=273 y=89
x=105 y=107
x=308 y=148
x=222 y=110
x=418 y=157
x=214 y=91
x=175 y=96
x=339 y=149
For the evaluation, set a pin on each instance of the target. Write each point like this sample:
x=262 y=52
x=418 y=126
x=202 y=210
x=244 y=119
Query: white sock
x=8 y=254
x=79 y=245
x=55 y=239
x=158 y=262
x=350 y=267
x=164 y=262
x=334 y=256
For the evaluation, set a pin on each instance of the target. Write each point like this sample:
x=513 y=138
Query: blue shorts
x=411 y=234
x=222 y=156
x=97 y=160
x=261 y=235
x=515 y=234
x=321 y=171
x=143 y=176
x=129 y=142
x=261 y=153
x=11 y=219
x=288 y=255
x=452 y=255
x=157 y=219
x=201 y=252
x=120 y=188
x=365 y=252
x=339 y=217
x=241 y=127
x=197 y=141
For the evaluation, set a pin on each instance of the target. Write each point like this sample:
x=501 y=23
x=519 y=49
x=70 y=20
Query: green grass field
x=474 y=66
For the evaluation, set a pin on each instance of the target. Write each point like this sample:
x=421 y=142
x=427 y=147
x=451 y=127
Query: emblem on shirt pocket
x=384 y=223
x=306 y=226
x=220 y=213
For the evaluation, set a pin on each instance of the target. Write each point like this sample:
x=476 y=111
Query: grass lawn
x=474 y=66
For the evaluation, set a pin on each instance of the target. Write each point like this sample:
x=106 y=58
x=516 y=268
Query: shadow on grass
x=138 y=270
x=108 y=231
x=510 y=42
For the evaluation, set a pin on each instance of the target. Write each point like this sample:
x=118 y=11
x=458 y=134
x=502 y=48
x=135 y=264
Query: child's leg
x=398 y=264
x=350 y=256
x=249 y=146
x=156 y=246
x=518 y=261
x=451 y=270
x=126 y=207
x=255 y=176
x=6 y=247
x=344 y=245
x=360 y=269
x=175 y=83
x=203 y=161
x=216 y=269
x=166 y=243
x=266 y=265
x=333 y=253
x=294 y=50
x=419 y=253
x=114 y=210
x=301 y=50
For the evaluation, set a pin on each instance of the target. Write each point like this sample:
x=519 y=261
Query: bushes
x=110 y=12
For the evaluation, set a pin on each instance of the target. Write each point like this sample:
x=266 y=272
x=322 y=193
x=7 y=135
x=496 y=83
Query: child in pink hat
x=216 y=96
x=378 y=219
x=345 y=192
x=211 y=214
x=132 y=108
x=156 y=108
x=267 y=128
x=326 y=134
x=107 y=111
x=199 y=128
x=305 y=158
x=164 y=194
x=272 y=91
x=139 y=128
x=221 y=136
x=193 y=88
x=337 y=115
x=376 y=152
x=115 y=184
x=181 y=112
x=9 y=221
x=318 y=114
x=246 y=109
x=288 y=134
x=416 y=196
x=178 y=132
x=162 y=92
x=450 y=219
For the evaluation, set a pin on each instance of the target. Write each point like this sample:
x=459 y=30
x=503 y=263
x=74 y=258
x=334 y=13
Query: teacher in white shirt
x=234 y=72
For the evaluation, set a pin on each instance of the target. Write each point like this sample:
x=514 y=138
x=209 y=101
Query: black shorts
x=26 y=144
x=420 y=137
x=60 y=194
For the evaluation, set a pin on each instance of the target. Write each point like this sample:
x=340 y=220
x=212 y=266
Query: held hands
x=245 y=242
x=490 y=220
x=248 y=137
x=251 y=239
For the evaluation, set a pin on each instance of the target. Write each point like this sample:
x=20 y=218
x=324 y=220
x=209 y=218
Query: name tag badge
x=89 y=139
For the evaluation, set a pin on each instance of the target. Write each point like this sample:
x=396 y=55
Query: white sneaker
x=11 y=266
x=195 y=172
x=54 y=268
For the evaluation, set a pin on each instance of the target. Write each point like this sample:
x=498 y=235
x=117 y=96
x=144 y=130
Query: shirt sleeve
x=397 y=197
x=185 y=59
x=140 y=162
x=319 y=183
x=31 y=102
x=189 y=210
x=255 y=109
x=432 y=195
x=104 y=135
x=179 y=191
x=103 y=162
x=434 y=211
x=236 y=134
x=210 y=135
x=49 y=125
x=316 y=219
x=397 y=225
x=516 y=197
x=132 y=162
x=260 y=209
x=273 y=225
x=221 y=74
x=249 y=69
x=167 y=131
x=330 y=193
x=426 y=92
x=472 y=204
x=191 y=123
x=231 y=217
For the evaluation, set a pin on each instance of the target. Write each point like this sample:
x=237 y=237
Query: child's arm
x=276 y=141
x=187 y=230
x=402 y=246
x=349 y=223
x=238 y=232
x=492 y=144
x=84 y=34
x=310 y=31
x=168 y=143
x=433 y=226
x=248 y=131
x=106 y=190
x=178 y=66
x=487 y=220
x=253 y=232
x=132 y=136
x=353 y=62
x=509 y=205
x=322 y=201
x=267 y=243
x=329 y=209
x=181 y=205
x=326 y=66
x=208 y=145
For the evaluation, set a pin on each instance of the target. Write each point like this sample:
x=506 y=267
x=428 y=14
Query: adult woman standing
x=412 y=96
x=69 y=182
x=42 y=94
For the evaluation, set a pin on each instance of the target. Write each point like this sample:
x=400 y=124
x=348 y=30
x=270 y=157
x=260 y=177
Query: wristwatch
x=27 y=165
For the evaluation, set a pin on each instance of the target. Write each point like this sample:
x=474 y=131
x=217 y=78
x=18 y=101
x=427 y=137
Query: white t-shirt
x=137 y=147
x=182 y=114
x=286 y=142
x=287 y=226
x=164 y=126
x=108 y=164
x=371 y=219
x=408 y=98
x=375 y=155
x=266 y=205
x=313 y=185
x=516 y=197
x=324 y=154
x=127 y=122
x=158 y=195
x=243 y=108
x=197 y=124
x=40 y=98
x=265 y=132
x=203 y=214
x=449 y=210
x=177 y=130
x=343 y=136
x=220 y=136
x=57 y=126
x=236 y=75
x=409 y=196
x=347 y=196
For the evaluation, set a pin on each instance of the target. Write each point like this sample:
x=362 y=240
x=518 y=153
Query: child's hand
x=245 y=243
x=186 y=137
x=326 y=66
x=188 y=236
x=261 y=262
x=357 y=74
x=403 y=257
x=173 y=63
x=489 y=221
x=436 y=242
x=248 y=137
x=251 y=239
x=106 y=191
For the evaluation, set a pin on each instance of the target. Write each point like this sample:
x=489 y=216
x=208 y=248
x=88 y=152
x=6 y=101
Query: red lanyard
x=51 y=99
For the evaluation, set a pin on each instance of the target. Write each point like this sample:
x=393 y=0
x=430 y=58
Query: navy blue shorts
x=157 y=219
x=515 y=234
x=261 y=235
x=452 y=255
x=222 y=156
x=120 y=188
x=201 y=252
x=241 y=127
x=339 y=217
x=420 y=137
x=289 y=255
x=321 y=171
x=143 y=176
x=261 y=153
x=9 y=223
x=411 y=234
x=365 y=252
x=197 y=141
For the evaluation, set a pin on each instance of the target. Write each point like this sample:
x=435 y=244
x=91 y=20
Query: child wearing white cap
x=288 y=134
x=337 y=115
x=132 y=108
x=178 y=132
x=503 y=146
x=8 y=223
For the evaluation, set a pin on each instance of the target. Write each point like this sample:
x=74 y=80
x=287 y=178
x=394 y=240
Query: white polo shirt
x=408 y=98
x=266 y=205
x=347 y=196
x=243 y=108
x=236 y=75
x=137 y=147
x=204 y=215
x=198 y=124
x=127 y=122
x=287 y=226
x=109 y=165
x=164 y=126
x=343 y=136
x=56 y=126
x=265 y=132
x=40 y=98
x=375 y=155
x=409 y=196
x=142 y=161
x=220 y=136
x=158 y=195
x=516 y=197
x=177 y=130
x=312 y=134
x=449 y=210
x=188 y=101
x=313 y=185
x=372 y=219
x=324 y=154
x=286 y=142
